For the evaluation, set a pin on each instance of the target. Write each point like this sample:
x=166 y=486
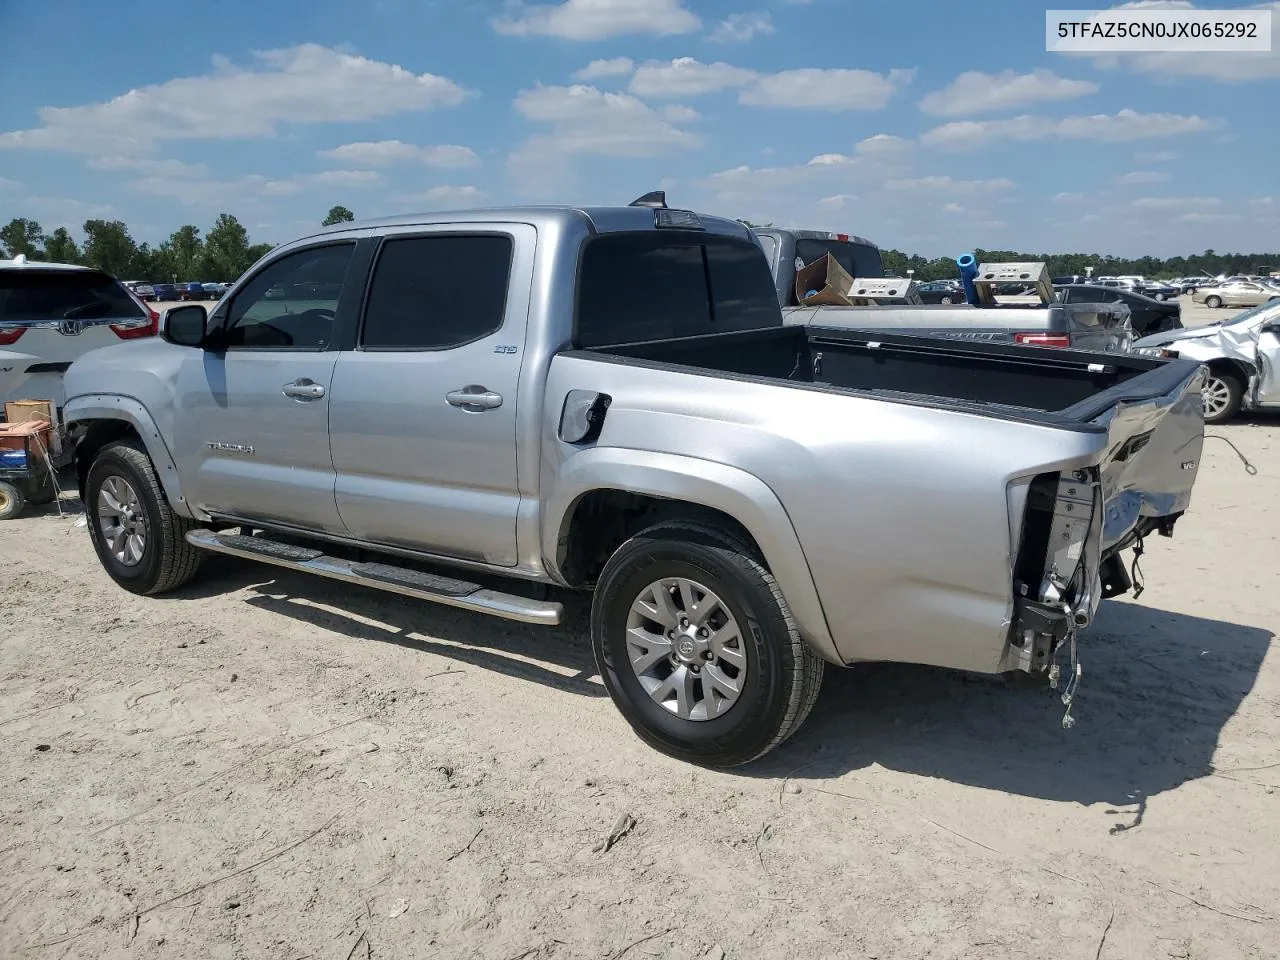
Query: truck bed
x=1059 y=387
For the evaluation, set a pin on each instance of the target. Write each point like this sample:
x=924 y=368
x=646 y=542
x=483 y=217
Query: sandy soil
x=273 y=766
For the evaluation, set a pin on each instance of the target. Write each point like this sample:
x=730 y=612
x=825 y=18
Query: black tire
x=1213 y=302
x=167 y=561
x=12 y=500
x=1235 y=394
x=41 y=491
x=946 y=299
x=783 y=676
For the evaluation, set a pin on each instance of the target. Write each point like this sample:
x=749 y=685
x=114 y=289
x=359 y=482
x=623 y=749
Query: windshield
x=27 y=295
x=858 y=259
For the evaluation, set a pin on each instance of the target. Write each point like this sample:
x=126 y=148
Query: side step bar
x=382 y=576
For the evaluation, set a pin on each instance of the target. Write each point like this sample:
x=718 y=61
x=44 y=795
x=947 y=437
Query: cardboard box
x=23 y=411
x=823 y=283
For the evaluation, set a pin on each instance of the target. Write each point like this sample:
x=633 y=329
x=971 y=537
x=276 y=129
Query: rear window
x=859 y=259
x=657 y=286
x=63 y=295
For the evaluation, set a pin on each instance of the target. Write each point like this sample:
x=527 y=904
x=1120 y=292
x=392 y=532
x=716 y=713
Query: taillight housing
x=1042 y=339
x=10 y=335
x=137 y=329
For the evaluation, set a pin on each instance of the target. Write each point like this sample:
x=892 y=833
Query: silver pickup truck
x=1082 y=326
x=482 y=409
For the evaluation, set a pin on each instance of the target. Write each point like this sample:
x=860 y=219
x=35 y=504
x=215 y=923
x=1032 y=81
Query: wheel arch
x=604 y=496
x=95 y=421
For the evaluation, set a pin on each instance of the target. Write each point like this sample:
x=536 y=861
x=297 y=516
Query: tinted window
x=62 y=295
x=431 y=293
x=293 y=302
x=653 y=286
x=858 y=259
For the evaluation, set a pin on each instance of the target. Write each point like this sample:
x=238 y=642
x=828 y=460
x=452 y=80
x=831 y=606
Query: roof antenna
x=656 y=198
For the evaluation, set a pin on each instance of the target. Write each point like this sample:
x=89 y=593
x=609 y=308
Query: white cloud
x=253 y=188
x=599 y=69
x=883 y=145
x=1227 y=68
x=804 y=89
x=1207 y=217
x=1263 y=203
x=951 y=185
x=832 y=90
x=1140 y=177
x=686 y=77
x=838 y=201
x=149 y=167
x=1175 y=203
x=743 y=27
x=445 y=196
x=598 y=19
x=585 y=120
x=1156 y=156
x=384 y=153
x=952 y=208
x=1067 y=197
x=8 y=186
x=1111 y=128
x=299 y=85
x=64 y=211
x=678 y=113
x=974 y=92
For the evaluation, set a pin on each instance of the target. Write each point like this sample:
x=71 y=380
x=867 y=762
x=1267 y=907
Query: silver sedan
x=1240 y=293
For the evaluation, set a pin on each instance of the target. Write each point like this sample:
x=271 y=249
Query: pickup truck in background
x=1084 y=326
x=486 y=409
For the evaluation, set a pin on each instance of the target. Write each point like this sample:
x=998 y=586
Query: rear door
x=423 y=414
x=253 y=417
x=51 y=316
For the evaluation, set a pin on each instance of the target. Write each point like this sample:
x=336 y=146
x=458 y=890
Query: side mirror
x=184 y=325
x=1272 y=327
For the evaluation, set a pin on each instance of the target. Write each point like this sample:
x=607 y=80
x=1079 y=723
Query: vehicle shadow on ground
x=558 y=657
x=1157 y=689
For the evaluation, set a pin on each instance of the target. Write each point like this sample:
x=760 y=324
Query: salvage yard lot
x=267 y=765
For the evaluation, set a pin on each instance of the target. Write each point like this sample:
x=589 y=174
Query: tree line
x=220 y=255
x=224 y=252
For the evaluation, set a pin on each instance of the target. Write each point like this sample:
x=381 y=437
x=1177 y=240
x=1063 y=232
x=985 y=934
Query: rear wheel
x=946 y=299
x=1213 y=302
x=697 y=647
x=11 y=500
x=139 y=539
x=1220 y=396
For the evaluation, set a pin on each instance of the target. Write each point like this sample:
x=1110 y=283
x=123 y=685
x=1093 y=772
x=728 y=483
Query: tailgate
x=1153 y=449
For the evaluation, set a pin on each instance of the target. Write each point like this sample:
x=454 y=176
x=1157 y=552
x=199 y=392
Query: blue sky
x=933 y=127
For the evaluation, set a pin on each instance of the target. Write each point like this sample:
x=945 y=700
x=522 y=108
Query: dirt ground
x=266 y=765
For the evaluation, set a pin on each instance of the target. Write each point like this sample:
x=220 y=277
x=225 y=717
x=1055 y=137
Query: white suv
x=51 y=314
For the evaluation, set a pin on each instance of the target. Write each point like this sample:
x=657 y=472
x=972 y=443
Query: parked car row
x=168 y=292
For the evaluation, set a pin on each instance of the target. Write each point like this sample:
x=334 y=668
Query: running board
x=382 y=576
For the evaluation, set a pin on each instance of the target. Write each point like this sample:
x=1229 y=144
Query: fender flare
x=106 y=406
x=729 y=490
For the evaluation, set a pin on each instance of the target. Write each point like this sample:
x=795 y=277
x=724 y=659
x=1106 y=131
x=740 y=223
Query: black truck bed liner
x=1056 y=386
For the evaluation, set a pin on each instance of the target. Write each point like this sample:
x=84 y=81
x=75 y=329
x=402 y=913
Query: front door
x=1269 y=363
x=253 y=416
x=424 y=414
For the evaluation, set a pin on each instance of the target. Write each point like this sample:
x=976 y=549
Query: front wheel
x=697 y=648
x=1220 y=397
x=1214 y=302
x=139 y=539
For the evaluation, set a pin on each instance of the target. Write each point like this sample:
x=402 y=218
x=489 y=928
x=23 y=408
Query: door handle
x=474 y=399
x=303 y=389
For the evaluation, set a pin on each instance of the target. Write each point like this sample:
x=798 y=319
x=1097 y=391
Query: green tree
x=109 y=247
x=60 y=247
x=337 y=215
x=182 y=256
x=227 y=249
x=21 y=236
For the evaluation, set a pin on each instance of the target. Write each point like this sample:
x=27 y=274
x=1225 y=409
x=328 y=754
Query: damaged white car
x=1242 y=354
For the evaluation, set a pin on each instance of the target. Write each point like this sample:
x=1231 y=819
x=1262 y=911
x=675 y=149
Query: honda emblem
x=71 y=328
